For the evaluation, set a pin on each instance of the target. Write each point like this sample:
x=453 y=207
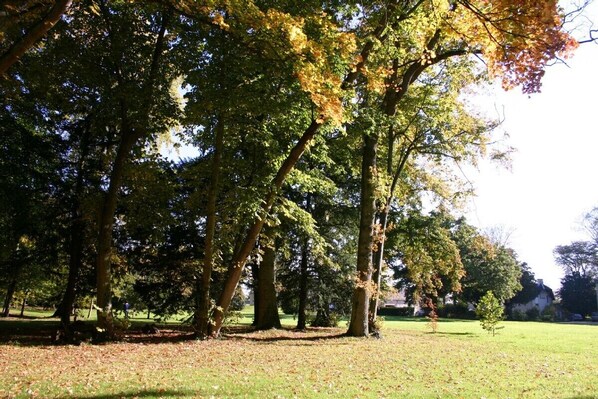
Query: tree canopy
x=319 y=127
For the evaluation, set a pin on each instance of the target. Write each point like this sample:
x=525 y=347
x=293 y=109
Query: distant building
x=544 y=298
x=395 y=300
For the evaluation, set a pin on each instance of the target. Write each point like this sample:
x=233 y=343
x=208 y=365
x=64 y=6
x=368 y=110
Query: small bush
x=518 y=315
x=232 y=317
x=238 y=302
x=549 y=313
x=325 y=319
x=378 y=324
x=289 y=304
x=533 y=314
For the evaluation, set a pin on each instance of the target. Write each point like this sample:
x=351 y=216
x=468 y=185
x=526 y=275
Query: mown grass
x=525 y=360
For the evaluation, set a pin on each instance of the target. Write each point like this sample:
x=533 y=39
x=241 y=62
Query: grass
x=525 y=360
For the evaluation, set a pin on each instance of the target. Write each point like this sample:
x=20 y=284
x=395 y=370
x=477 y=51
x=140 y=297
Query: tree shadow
x=152 y=393
x=415 y=319
x=42 y=332
x=457 y=334
x=315 y=338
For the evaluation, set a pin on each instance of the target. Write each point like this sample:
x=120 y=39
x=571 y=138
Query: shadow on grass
x=153 y=393
x=415 y=319
x=27 y=331
x=312 y=334
x=454 y=334
x=313 y=338
x=41 y=331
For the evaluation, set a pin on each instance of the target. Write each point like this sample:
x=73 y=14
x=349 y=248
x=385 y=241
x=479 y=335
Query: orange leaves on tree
x=315 y=57
x=314 y=60
x=518 y=38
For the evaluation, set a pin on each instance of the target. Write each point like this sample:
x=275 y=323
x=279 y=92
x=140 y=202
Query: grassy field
x=526 y=360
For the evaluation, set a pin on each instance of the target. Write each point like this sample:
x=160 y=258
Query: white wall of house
x=542 y=301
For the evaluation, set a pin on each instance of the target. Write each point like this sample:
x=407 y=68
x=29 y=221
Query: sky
x=553 y=177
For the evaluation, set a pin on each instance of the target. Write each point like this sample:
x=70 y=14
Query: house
x=395 y=300
x=544 y=298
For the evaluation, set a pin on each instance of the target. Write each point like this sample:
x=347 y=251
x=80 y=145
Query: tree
x=490 y=311
x=579 y=257
x=457 y=32
x=529 y=286
x=578 y=293
x=487 y=267
x=267 y=314
x=429 y=264
x=29 y=221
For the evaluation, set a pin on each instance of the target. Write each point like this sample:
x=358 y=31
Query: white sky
x=553 y=180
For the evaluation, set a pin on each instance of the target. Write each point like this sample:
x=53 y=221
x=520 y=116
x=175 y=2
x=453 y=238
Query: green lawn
x=526 y=360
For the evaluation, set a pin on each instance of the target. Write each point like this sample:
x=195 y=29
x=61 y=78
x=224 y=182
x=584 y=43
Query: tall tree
x=458 y=29
x=578 y=293
x=579 y=257
x=488 y=267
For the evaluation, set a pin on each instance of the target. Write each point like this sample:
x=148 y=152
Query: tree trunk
x=38 y=31
x=240 y=258
x=378 y=261
x=267 y=316
x=358 y=327
x=103 y=265
x=129 y=137
x=10 y=291
x=76 y=239
x=238 y=263
x=255 y=274
x=303 y=280
x=90 y=308
x=204 y=304
x=23 y=304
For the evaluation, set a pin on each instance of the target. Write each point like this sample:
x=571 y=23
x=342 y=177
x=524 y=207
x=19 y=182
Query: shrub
x=289 y=304
x=549 y=313
x=533 y=314
x=378 y=324
x=518 y=315
x=238 y=302
x=325 y=319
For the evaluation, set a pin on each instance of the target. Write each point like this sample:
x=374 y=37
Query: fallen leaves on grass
x=318 y=363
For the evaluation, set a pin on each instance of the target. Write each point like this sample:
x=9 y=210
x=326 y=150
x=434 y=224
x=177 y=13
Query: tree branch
x=16 y=51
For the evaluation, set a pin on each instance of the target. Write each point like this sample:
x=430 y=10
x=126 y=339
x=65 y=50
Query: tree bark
x=103 y=264
x=16 y=51
x=23 y=304
x=76 y=239
x=203 y=310
x=358 y=326
x=378 y=262
x=238 y=263
x=129 y=138
x=10 y=291
x=255 y=274
x=240 y=258
x=267 y=316
x=303 y=280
